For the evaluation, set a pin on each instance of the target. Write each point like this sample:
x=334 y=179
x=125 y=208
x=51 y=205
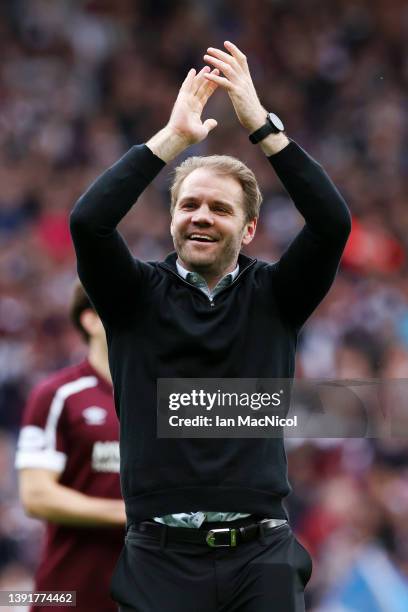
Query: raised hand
x=185 y=119
x=237 y=82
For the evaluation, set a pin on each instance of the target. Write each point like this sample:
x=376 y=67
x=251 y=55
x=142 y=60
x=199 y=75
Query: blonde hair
x=225 y=165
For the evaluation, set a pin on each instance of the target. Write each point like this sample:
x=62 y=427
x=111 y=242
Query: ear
x=89 y=320
x=249 y=231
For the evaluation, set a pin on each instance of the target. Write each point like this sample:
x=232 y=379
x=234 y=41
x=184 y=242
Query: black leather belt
x=218 y=537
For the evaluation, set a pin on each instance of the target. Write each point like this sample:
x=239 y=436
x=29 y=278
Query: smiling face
x=208 y=223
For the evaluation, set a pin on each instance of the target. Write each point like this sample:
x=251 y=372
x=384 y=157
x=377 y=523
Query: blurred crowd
x=80 y=82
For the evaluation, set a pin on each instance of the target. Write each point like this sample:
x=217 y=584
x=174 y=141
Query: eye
x=188 y=206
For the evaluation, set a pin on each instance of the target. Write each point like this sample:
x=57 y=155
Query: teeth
x=201 y=237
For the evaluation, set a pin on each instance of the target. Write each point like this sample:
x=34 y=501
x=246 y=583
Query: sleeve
x=41 y=443
x=106 y=267
x=306 y=270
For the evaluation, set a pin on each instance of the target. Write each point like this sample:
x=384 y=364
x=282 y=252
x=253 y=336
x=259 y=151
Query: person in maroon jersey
x=68 y=462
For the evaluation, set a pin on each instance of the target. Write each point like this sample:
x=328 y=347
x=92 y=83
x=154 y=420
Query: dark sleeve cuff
x=141 y=159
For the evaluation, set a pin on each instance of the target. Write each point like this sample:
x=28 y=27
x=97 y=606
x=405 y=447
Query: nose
x=202 y=216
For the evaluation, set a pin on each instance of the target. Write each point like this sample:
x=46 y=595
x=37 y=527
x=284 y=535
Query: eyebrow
x=194 y=199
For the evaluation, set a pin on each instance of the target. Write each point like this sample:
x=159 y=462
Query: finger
x=198 y=79
x=225 y=57
x=210 y=124
x=237 y=53
x=221 y=81
x=188 y=80
x=207 y=88
x=222 y=66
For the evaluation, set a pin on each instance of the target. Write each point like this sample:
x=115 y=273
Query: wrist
x=274 y=143
x=256 y=120
x=168 y=143
x=267 y=130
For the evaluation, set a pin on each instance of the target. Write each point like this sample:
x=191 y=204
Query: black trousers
x=266 y=575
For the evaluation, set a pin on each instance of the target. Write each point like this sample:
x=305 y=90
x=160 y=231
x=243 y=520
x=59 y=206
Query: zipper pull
x=212 y=303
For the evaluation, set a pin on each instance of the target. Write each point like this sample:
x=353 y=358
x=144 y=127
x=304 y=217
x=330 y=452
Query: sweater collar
x=243 y=262
x=184 y=273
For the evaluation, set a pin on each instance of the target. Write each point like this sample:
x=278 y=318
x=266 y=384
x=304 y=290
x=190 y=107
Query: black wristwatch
x=273 y=125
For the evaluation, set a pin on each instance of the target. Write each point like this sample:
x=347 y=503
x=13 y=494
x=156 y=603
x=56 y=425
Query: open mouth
x=204 y=238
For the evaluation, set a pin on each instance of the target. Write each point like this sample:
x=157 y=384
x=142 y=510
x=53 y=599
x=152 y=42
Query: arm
x=307 y=269
x=105 y=265
x=42 y=453
x=44 y=498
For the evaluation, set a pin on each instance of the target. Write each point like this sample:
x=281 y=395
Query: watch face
x=276 y=122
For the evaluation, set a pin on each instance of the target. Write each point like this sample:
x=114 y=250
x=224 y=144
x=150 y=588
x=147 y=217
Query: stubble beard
x=214 y=263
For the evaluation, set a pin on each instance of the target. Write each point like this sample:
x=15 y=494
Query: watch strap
x=273 y=125
x=262 y=132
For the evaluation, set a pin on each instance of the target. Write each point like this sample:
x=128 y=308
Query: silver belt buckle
x=211 y=538
x=273 y=523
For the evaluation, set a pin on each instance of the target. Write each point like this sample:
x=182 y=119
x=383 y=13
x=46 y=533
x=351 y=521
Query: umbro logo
x=95 y=415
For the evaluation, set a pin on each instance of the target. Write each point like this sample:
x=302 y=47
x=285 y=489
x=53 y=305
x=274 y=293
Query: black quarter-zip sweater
x=159 y=326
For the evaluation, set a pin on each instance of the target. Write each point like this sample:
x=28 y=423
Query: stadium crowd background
x=82 y=81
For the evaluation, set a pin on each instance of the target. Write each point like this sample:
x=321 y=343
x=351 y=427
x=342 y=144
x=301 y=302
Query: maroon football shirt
x=70 y=426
